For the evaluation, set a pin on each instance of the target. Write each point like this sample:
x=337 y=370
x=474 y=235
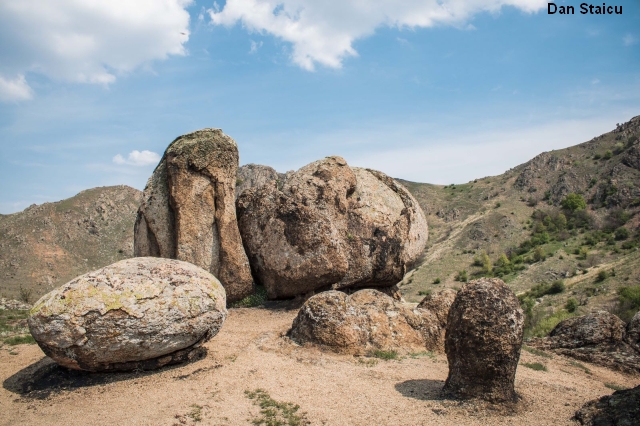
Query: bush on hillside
x=573 y=202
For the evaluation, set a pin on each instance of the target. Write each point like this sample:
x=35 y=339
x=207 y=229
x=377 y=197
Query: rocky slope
x=47 y=245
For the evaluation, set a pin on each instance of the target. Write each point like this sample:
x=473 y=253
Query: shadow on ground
x=44 y=377
x=425 y=389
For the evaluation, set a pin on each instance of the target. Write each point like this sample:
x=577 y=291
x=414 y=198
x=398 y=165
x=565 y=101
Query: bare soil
x=251 y=352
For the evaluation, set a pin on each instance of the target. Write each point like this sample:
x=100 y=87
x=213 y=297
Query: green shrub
x=544 y=327
x=622 y=233
x=436 y=281
x=602 y=275
x=571 y=305
x=424 y=292
x=629 y=302
x=573 y=202
x=556 y=287
x=597 y=157
x=461 y=276
x=539 y=254
x=608 y=155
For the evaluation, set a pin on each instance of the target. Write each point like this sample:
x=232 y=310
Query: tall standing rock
x=483 y=341
x=188 y=210
x=328 y=225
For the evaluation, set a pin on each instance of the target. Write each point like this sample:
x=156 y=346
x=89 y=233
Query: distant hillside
x=47 y=245
x=494 y=215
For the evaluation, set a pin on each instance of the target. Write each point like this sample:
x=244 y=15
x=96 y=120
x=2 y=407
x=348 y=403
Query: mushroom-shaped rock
x=139 y=313
x=188 y=210
x=364 y=321
x=328 y=225
x=483 y=341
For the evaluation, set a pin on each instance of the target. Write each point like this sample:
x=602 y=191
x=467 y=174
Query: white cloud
x=629 y=40
x=323 y=32
x=14 y=90
x=90 y=41
x=138 y=158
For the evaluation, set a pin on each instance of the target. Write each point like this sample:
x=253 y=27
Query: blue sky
x=437 y=92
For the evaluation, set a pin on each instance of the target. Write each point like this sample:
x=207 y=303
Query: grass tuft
x=274 y=413
x=535 y=366
x=615 y=387
x=386 y=355
x=580 y=366
x=253 y=300
x=537 y=352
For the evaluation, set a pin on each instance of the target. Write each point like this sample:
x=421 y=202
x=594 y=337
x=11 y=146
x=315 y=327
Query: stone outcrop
x=188 y=210
x=365 y=321
x=138 y=313
x=254 y=175
x=632 y=337
x=483 y=340
x=440 y=304
x=622 y=408
x=599 y=338
x=328 y=225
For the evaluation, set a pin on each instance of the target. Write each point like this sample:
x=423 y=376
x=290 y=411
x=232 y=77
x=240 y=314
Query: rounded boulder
x=483 y=341
x=139 y=313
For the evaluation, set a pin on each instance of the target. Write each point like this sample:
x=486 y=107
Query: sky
x=440 y=91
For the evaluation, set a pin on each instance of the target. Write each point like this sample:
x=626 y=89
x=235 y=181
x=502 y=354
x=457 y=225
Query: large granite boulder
x=483 y=341
x=188 y=210
x=365 y=321
x=622 y=408
x=138 y=313
x=598 y=337
x=330 y=226
x=254 y=175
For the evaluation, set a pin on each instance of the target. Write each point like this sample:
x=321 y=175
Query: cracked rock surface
x=188 y=210
x=138 y=313
x=364 y=321
x=330 y=226
x=483 y=341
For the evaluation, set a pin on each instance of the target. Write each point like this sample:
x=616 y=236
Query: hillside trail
x=445 y=245
x=252 y=352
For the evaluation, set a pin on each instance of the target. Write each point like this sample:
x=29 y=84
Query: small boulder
x=621 y=408
x=365 y=321
x=139 y=313
x=483 y=340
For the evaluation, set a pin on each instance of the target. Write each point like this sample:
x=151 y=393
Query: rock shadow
x=45 y=377
x=424 y=389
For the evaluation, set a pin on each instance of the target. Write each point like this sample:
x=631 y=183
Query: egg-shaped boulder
x=139 y=313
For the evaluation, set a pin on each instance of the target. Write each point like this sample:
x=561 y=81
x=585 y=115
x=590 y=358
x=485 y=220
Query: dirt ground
x=251 y=353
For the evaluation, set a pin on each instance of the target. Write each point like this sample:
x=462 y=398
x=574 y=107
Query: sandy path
x=249 y=353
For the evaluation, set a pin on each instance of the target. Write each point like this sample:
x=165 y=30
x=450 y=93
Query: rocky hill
x=495 y=215
x=46 y=245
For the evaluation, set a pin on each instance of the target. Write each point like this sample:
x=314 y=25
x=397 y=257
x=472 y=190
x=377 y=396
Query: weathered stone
x=253 y=176
x=330 y=226
x=137 y=313
x=188 y=210
x=364 y=321
x=483 y=341
x=598 y=338
x=632 y=336
x=622 y=408
x=440 y=304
